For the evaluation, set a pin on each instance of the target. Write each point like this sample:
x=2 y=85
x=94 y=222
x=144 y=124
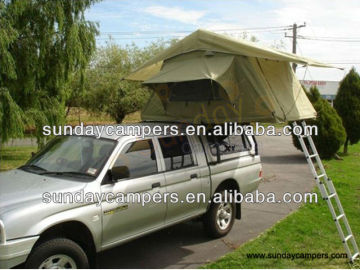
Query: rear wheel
x=58 y=253
x=220 y=217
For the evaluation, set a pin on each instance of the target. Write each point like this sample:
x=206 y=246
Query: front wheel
x=58 y=253
x=220 y=217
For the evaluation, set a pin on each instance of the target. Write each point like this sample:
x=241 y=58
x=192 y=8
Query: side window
x=137 y=159
x=229 y=144
x=176 y=152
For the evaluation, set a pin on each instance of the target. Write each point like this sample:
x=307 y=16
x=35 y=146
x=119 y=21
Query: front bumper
x=15 y=252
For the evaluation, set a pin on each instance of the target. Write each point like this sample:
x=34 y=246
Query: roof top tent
x=211 y=78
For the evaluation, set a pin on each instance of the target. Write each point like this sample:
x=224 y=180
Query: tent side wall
x=255 y=90
x=160 y=108
x=289 y=94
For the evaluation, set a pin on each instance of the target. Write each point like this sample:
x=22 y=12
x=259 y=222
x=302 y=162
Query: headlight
x=2 y=233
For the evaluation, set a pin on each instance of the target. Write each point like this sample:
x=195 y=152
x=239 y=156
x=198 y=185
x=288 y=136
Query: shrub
x=347 y=104
x=331 y=133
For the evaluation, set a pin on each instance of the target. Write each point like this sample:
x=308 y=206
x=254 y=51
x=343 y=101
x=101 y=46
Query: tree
x=11 y=116
x=331 y=133
x=105 y=91
x=347 y=104
x=41 y=44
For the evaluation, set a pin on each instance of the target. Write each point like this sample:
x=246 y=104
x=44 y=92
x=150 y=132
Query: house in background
x=328 y=89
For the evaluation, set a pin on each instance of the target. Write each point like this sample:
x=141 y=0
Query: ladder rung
x=331 y=195
x=347 y=238
x=320 y=175
x=355 y=256
x=339 y=217
x=311 y=156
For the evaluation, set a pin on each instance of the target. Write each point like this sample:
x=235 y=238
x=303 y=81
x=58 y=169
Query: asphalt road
x=186 y=245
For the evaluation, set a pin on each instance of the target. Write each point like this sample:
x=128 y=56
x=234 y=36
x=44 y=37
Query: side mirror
x=119 y=172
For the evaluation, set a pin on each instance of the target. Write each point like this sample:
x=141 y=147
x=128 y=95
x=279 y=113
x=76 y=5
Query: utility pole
x=294 y=36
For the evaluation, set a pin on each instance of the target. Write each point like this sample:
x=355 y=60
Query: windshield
x=72 y=156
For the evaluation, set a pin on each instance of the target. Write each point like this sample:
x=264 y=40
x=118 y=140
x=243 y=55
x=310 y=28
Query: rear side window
x=139 y=158
x=230 y=144
x=176 y=152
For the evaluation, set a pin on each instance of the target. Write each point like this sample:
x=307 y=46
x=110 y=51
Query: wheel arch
x=75 y=231
x=231 y=184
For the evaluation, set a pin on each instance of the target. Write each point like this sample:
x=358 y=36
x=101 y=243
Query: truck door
x=138 y=161
x=182 y=176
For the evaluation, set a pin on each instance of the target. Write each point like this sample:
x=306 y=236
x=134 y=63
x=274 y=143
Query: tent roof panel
x=203 y=40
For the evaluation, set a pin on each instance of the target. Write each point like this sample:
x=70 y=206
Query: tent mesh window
x=200 y=90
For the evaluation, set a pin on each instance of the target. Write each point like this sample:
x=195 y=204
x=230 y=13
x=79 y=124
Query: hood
x=18 y=187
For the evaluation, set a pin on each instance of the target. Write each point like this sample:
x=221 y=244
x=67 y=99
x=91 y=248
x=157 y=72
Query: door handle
x=155 y=185
x=194 y=175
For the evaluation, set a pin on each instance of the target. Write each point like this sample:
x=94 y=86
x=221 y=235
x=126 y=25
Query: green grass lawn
x=310 y=229
x=14 y=156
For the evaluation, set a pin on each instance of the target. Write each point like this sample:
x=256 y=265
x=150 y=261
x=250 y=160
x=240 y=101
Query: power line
x=159 y=37
x=344 y=38
x=127 y=33
x=124 y=37
x=345 y=63
x=142 y=38
x=331 y=39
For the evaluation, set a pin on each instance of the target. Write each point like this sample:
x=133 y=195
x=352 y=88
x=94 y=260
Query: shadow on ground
x=284 y=160
x=158 y=250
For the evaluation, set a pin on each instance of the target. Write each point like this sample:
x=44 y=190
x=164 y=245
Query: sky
x=332 y=26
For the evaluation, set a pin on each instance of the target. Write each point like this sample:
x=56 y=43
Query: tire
x=216 y=223
x=60 y=252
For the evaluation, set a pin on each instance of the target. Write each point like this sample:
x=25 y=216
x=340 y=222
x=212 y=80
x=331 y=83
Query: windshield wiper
x=68 y=173
x=31 y=166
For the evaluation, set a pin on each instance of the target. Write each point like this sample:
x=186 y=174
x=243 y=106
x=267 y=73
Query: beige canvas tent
x=211 y=78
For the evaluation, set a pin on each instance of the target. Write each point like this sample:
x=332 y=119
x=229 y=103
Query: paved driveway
x=186 y=245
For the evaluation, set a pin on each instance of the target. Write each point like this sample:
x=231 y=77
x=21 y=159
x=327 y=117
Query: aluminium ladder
x=328 y=193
